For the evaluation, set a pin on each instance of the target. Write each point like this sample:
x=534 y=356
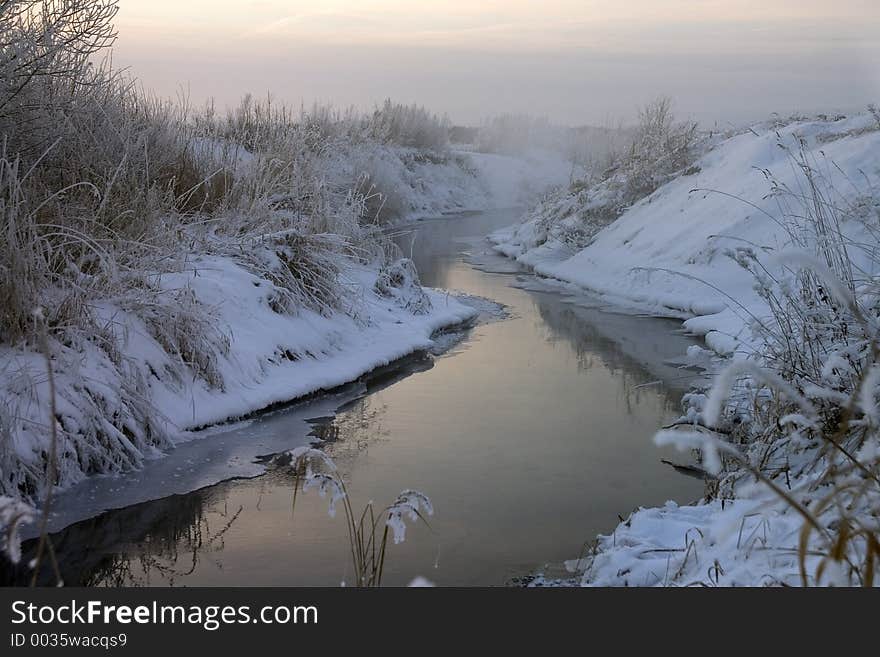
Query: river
x=531 y=434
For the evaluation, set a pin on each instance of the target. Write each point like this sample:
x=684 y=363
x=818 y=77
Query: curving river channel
x=531 y=434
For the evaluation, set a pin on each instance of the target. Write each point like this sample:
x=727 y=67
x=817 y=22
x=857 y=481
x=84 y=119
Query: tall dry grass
x=802 y=415
x=104 y=189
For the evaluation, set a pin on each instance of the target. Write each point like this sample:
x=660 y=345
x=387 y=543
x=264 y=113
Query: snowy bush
x=659 y=149
x=399 y=281
x=382 y=192
x=411 y=126
x=304 y=268
x=395 y=124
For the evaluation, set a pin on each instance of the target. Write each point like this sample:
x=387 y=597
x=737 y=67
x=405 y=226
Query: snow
x=668 y=253
x=118 y=408
x=748 y=541
x=327 y=351
x=272 y=358
x=671 y=545
x=674 y=253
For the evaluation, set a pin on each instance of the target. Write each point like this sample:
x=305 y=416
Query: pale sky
x=573 y=61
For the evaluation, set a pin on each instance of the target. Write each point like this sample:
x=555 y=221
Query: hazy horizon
x=584 y=62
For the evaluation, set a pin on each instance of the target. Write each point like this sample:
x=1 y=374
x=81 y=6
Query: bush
x=408 y=125
x=660 y=149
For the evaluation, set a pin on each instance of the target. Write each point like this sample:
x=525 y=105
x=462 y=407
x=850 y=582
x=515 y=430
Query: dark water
x=531 y=436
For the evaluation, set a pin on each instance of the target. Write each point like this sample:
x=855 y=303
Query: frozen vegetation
x=368 y=531
x=764 y=241
x=166 y=267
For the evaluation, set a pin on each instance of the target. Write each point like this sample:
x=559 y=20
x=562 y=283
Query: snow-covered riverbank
x=269 y=357
x=691 y=250
x=224 y=337
x=669 y=253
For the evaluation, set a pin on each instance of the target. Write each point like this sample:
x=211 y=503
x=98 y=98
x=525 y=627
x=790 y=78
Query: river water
x=531 y=435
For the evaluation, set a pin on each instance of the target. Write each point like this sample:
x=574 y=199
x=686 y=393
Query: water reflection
x=531 y=436
x=164 y=535
x=642 y=353
x=436 y=245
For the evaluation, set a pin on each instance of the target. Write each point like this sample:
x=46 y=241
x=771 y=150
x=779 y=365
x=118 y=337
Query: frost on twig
x=327 y=485
x=308 y=455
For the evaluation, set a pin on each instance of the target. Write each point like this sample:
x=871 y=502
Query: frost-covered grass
x=655 y=151
x=769 y=249
x=369 y=530
x=189 y=265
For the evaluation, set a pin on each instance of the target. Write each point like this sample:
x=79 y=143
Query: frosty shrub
x=801 y=416
x=659 y=149
x=408 y=125
x=368 y=531
x=383 y=200
x=391 y=123
x=185 y=329
x=399 y=281
x=304 y=268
